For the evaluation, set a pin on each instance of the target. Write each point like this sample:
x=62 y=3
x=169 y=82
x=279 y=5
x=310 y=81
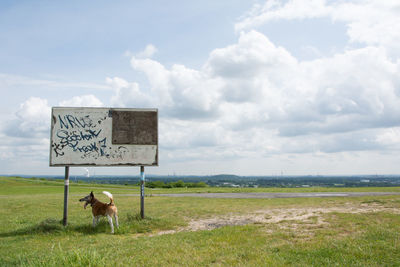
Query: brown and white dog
x=102 y=209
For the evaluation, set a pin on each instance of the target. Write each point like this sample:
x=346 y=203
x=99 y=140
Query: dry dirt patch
x=308 y=215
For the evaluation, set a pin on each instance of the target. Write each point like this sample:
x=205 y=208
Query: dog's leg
x=111 y=223
x=94 y=221
x=116 y=219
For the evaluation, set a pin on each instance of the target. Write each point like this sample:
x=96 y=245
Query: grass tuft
x=61 y=257
x=136 y=224
x=48 y=226
x=88 y=229
x=374 y=201
x=135 y=217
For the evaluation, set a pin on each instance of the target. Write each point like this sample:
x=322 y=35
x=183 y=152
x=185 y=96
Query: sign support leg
x=142 y=192
x=66 y=189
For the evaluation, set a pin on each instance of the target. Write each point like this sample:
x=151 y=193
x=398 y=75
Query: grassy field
x=358 y=231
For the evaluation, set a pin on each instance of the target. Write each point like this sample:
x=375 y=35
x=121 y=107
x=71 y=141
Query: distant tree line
x=177 y=184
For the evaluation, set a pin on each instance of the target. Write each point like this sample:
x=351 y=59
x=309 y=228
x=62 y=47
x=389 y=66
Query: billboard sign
x=104 y=137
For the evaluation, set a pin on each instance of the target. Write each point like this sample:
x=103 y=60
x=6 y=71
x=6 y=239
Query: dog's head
x=88 y=199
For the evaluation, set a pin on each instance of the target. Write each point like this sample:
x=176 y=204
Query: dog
x=102 y=209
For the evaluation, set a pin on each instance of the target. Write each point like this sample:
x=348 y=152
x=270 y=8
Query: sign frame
x=81 y=126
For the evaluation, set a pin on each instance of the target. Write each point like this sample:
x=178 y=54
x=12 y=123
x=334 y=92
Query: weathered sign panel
x=104 y=137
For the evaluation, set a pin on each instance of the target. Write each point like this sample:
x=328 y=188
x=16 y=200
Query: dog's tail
x=110 y=196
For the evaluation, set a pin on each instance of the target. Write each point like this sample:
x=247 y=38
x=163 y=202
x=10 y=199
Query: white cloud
x=179 y=92
x=31 y=120
x=278 y=10
x=127 y=94
x=368 y=22
x=371 y=22
x=350 y=91
x=82 y=101
x=252 y=55
x=389 y=137
x=148 y=52
x=24 y=136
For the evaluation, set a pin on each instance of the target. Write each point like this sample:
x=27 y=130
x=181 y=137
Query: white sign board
x=103 y=137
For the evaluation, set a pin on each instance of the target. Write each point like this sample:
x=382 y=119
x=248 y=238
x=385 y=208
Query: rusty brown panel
x=134 y=127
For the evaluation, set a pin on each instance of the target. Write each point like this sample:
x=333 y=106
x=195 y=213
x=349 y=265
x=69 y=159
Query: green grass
x=31 y=233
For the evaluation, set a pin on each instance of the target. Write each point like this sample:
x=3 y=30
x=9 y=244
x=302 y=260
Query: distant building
x=230 y=185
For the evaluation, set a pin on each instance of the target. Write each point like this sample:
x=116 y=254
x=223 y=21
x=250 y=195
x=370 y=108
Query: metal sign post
x=66 y=189
x=142 y=192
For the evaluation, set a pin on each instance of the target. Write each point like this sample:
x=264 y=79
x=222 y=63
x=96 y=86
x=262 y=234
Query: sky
x=298 y=87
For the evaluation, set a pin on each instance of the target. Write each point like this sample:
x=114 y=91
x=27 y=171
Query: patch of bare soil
x=312 y=216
